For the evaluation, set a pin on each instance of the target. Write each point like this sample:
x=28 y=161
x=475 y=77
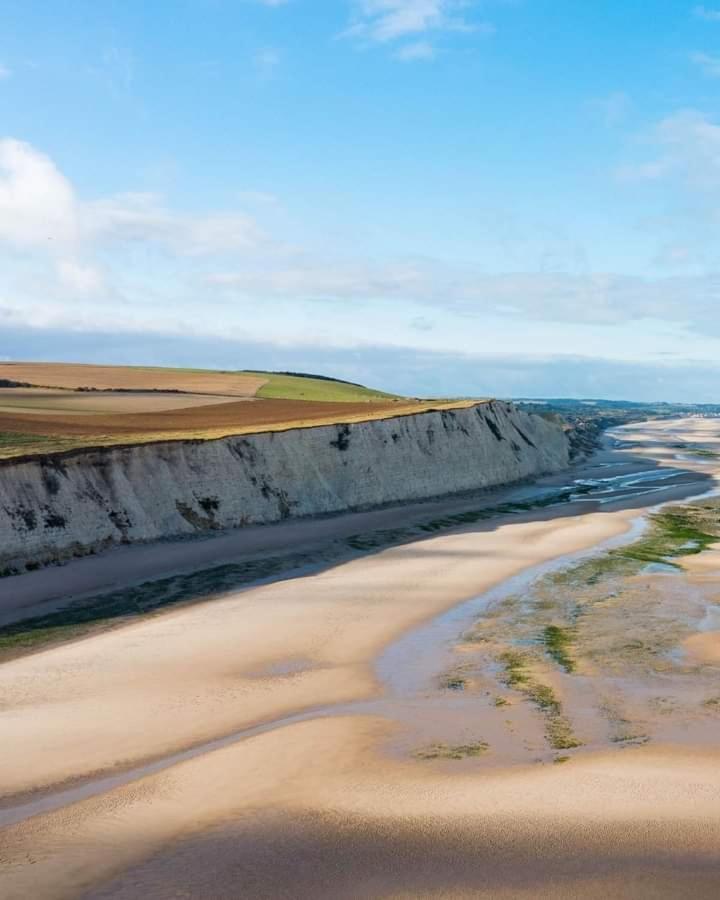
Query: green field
x=305 y=387
x=48 y=408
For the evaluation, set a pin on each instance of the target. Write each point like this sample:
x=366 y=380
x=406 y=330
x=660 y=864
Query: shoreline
x=198 y=669
x=39 y=592
x=464 y=611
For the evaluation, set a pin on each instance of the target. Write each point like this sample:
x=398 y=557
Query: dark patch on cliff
x=24 y=519
x=245 y=451
x=524 y=436
x=284 y=503
x=121 y=520
x=53 y=520
x=51 y=482
x=493 y=427
x=196 y=519
x=342 y=442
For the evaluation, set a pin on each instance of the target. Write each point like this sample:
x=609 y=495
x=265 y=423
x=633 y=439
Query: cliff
x=65 y=505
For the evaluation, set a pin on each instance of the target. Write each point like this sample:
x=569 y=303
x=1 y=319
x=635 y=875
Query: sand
x=326 y=807
x=314 y=811
x=159 y=685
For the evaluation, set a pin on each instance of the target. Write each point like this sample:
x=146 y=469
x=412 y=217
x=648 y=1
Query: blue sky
x=517 y=197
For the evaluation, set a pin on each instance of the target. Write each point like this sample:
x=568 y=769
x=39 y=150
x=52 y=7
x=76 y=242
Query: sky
x=435 y=197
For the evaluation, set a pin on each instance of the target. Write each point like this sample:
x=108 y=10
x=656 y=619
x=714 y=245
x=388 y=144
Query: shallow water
x=409 y=668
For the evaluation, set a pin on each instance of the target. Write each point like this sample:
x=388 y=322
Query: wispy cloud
x=4 y=72
x=706 y=13
x=688 y=148
x=131 y=261
x=591 y=298
x=613 y=108
x=394 y=21
x=710 y=65
x=388 y=20
x=417 y=51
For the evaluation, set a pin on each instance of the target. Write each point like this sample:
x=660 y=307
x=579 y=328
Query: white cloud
x=709 y=15
x=4 y=72
x=417 y=51
x=37 y=203
x=688 y=149
x=42 y=217
x=145 y=218
x=39 y=207
x=469 y=292
x=710 y=65
x=78 y=277
x=386 y=21
x=131 y=261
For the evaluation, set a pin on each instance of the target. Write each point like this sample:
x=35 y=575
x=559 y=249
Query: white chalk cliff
x=56 y=507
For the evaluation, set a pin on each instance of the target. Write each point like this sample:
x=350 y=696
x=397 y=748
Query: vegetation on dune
x=558 y=641
x=452 y=751
x=575 y=597
x=517 y=675
x=515 y=666
x=675 y=532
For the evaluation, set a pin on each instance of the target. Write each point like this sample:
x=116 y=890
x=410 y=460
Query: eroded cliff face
x=58 y=507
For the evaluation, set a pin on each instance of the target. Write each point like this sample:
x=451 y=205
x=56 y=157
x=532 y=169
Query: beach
x=259 y=749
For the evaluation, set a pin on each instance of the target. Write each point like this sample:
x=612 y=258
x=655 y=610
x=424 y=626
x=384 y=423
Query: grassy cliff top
x=49 y=408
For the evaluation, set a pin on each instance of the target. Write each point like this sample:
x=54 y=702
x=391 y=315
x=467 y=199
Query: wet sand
x=337 y=804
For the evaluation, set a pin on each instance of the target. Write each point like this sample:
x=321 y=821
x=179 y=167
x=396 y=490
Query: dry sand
x=190 y=675
x=323 y=807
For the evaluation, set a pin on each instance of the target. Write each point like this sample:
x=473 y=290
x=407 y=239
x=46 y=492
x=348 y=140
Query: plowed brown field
x=42 y=433
x=75 y=375
x=229 y=416
x=61 y=402
x=163 y=404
